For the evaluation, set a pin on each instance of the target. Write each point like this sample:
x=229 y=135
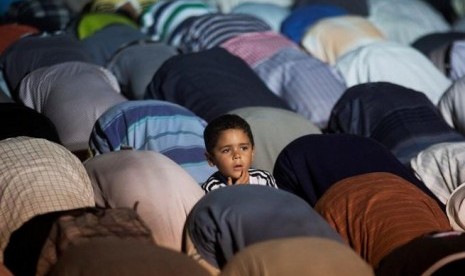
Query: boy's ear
x=209 y=159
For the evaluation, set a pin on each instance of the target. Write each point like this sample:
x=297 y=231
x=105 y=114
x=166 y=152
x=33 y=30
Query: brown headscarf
x=115 y=256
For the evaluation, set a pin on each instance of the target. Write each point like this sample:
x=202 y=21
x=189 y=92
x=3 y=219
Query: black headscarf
x=311 y=164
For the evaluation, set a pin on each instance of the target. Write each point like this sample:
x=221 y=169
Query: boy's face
x=232 y=154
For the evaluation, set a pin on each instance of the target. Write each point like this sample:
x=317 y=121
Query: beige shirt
x=37 y=177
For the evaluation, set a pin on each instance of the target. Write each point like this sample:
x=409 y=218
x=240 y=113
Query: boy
x=230 y=147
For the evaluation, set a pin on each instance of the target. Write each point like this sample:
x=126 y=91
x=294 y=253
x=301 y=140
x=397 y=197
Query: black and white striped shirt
x=256 y=177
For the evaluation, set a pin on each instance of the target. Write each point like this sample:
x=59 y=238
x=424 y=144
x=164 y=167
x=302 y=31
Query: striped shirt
x=163 y=18
x=212 y=30
x=309 y=86
x=154 y=125
x=256 y=177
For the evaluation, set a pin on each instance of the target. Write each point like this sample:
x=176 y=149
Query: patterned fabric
x=256 y=177
x=311 y=164
x=406 y=21
x=163 y=192
x=211 y=83
x=134 y=66
x=38 y=177
x=451 y=105
x=10 y=33
x=33 y=52
x=272 y=258
x=228 y=220
x=211 y=30
x=154 y=125
x=378 y=212
x=272 y=14
x=73 y=95
x=81 y=226
x=302 y=18
x=257 y=47
x=402 y=119
x=392 y=62
x=273 y=129
x=309 y=86
x=330 y=38
x=46 y=15
x=165 y=19
x=439 y=167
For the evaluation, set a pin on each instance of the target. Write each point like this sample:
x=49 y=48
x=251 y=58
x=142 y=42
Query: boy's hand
x=243 y=179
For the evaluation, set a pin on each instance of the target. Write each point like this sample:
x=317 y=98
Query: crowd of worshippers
x=129 y=128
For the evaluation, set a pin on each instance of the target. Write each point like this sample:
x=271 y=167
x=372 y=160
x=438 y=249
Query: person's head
x=230 y=145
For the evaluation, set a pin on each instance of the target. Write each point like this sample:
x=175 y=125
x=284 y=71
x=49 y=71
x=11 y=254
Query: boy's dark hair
x=221 y=123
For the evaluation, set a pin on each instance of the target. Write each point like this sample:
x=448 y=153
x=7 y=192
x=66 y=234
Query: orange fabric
x=378 y=212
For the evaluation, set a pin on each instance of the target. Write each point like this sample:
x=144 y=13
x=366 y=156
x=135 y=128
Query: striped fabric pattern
x=163 y=18
x=309 y=86
x=256 y=47
x=256 y=177
x=378 y=212
x=402 y=119
x=212 y=30
x=154 y=125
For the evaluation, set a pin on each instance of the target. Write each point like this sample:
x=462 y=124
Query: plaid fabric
x=46 y=15
x=37 y=177
x=256 y=47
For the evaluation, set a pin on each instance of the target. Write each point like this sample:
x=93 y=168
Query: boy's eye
x=225 y=151
x=244 y=148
